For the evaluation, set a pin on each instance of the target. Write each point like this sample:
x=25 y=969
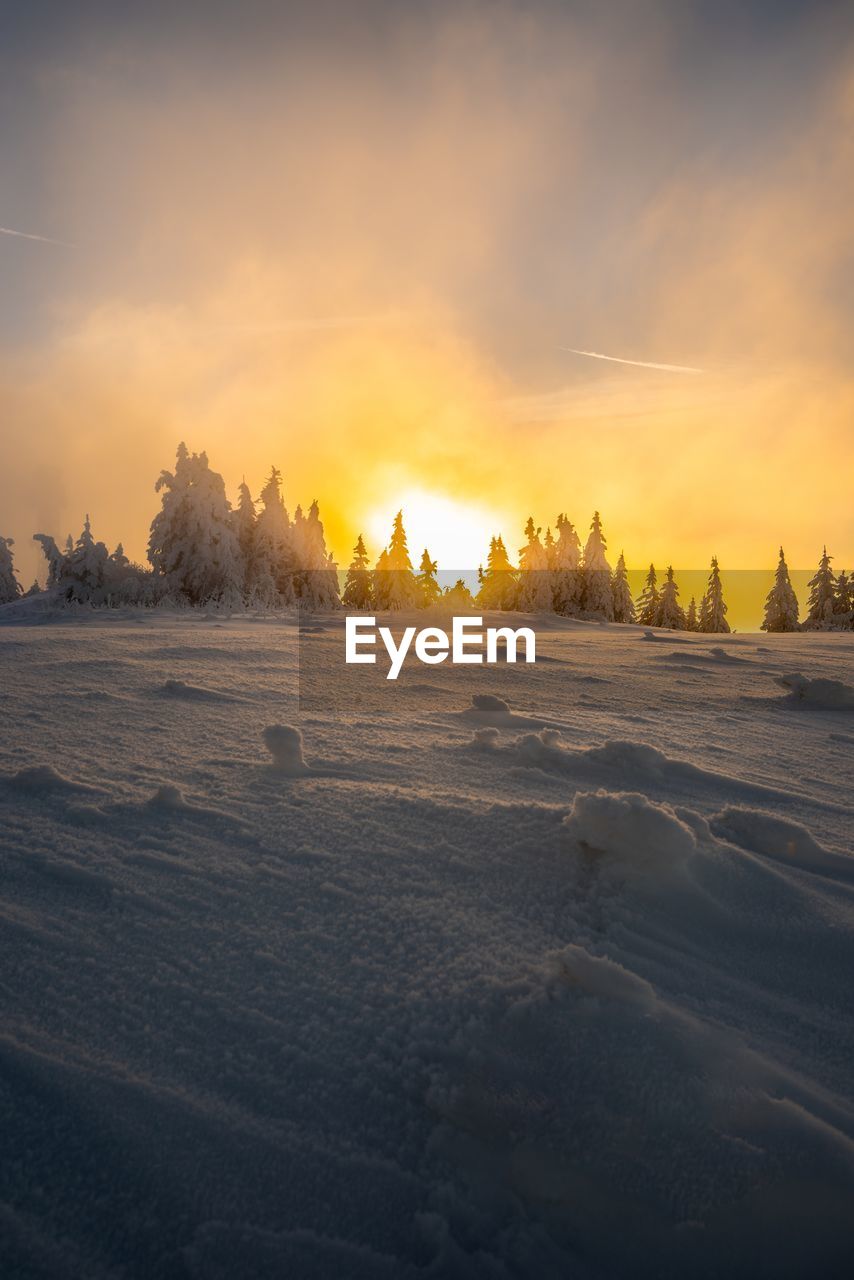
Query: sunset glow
x=289 y=257
x=453 y=531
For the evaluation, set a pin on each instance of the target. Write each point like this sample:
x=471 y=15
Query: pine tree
x=712 y=608
x=193 y=546
x=244 y=520
x=275 y=562
x=498 y=581
x=394 y=581
x=84 y=572
x=567 y=583
x=596 y=598
x=624 y=605
x=428 y=587
x=299 y=550
x=357 y=586
x=458 y=598
x=648 y=600
x=691 y=623
x=843 y=599
x=670 y=613
x=535 y=579
x=318 y=573
x=822 y=589
x=53 y=555
x=781 y=604
x=10 y=588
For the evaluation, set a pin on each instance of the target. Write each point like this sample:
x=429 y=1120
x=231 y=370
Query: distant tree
x=648 y=600
x=822 y=594
x=379 y=583
x=458 y=598
x=358 y=593
x=428 y=587
x=843 y=601
x=53 y=556
x=193 y=547
x=244 y=520
x=535 y=579
x=822 y=591
x=317 y=573
x=670 y=613
x=691 y=623
x=85 y=573
x=275 y=560
x=10 y=588
x=712 y=608
x=781 y=604
x=394 y=581
x=596 y=596
x=624 y=605
x=567 y=582
x=498 y=582
x=34 y=590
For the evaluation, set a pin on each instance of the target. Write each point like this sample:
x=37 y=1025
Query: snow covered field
x=557 y=983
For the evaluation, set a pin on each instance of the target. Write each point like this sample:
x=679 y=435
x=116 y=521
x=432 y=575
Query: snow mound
x=486 y=739
x=192 y=692
x=169 y=798
x=778 y=838
x=601 y=978
x=542 y=748
x=487 y=708
x=668 y=638
x=488 y=702
x=638 y=757
x=284 y=743
x=721 y=655
x=44 y=779
x=827 y=695
x=630 y=828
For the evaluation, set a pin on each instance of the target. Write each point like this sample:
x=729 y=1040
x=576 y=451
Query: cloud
x=640 y=364
x=28 y=235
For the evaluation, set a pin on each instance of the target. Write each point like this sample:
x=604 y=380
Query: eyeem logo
x=433 y=645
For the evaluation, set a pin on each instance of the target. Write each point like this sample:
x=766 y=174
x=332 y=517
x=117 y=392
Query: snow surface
x=527 y=971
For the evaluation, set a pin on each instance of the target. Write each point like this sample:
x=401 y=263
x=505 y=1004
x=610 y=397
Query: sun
x=455 y=532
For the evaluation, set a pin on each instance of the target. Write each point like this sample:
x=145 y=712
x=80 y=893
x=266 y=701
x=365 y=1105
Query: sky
x=370 y=242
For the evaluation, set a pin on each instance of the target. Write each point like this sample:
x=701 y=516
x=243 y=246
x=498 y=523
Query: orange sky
x=361 y=261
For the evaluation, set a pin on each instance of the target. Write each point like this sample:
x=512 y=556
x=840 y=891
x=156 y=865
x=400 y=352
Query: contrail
x=26 y=235
x=641 y=364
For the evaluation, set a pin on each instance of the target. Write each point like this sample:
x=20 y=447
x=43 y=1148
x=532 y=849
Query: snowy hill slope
x=552 y=983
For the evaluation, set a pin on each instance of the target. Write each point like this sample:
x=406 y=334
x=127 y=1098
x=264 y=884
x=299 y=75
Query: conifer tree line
x=203 y=551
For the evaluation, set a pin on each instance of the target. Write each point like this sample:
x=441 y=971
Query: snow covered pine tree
x=624 y=605
x=498 y=585
x=10 y=588
x=648 y=600
x=394 y=581
x=781 y=605
x=597 y=599
x=670 y=614
x=822 y=589
x=535 y=578
x=712 y=608
x=357 y=585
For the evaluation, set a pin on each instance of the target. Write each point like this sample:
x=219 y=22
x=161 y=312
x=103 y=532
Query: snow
x=532 y=971
x=284 y=742
x=630 y=828
x=833 y=695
